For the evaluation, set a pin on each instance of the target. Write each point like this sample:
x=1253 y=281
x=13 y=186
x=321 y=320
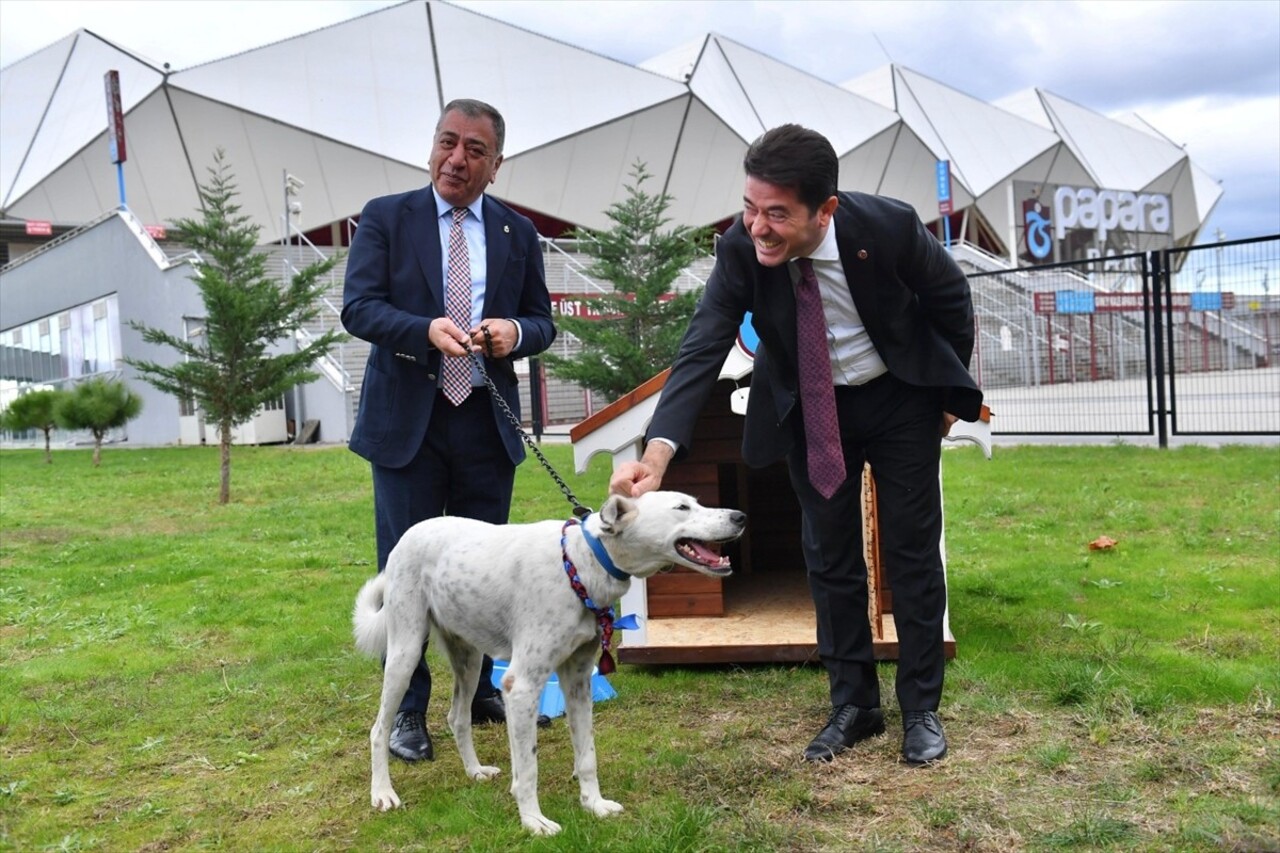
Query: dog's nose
x=739 y=518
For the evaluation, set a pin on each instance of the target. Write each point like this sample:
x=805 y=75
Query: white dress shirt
x=854 y=360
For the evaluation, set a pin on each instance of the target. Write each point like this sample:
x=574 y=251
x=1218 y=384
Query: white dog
x=509 y=591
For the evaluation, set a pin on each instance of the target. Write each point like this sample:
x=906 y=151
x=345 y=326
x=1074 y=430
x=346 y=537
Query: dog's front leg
x=521 y=692
x=575 y=681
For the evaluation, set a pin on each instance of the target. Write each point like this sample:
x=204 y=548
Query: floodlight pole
x=291 y=187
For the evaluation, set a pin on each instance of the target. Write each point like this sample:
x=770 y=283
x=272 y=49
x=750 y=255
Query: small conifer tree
x=97 y=405
x=228 y=370
x=33 y=410
x=637 y=328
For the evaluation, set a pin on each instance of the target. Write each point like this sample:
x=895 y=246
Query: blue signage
x=1073 y=301
x=1206 y=302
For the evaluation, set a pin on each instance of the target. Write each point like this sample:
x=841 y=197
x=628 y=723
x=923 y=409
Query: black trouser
x=462 y=469
x=894 y=426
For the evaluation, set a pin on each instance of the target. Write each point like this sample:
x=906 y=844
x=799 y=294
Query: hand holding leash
x=445 y=336
x=497 y=336
x=580 y=510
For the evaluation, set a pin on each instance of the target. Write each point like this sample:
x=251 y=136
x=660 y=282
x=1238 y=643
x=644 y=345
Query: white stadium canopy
x=350 y=109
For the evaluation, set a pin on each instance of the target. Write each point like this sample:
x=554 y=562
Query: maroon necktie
x=455 y=373
x=817 y=391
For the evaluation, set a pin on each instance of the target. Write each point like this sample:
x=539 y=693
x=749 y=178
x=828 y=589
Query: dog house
x=762 y=612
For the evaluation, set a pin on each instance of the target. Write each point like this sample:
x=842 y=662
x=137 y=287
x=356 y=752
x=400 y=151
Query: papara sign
x=1105 y=211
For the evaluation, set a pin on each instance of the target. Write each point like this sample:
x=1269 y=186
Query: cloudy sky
x=1206 y=74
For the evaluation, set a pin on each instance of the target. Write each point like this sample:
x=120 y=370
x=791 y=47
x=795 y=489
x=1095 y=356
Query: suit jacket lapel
x=857 y=253
x=497 y=240
x=422 y=229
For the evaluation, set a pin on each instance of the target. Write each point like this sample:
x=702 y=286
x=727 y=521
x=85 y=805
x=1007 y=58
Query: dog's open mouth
x=702 y=554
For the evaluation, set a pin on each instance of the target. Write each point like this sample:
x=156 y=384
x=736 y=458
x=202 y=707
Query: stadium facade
x=315 y=125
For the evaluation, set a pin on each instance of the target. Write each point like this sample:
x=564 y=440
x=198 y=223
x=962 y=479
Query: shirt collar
x=445 y=209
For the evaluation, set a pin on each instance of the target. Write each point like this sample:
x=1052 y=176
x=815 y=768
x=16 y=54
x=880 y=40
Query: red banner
x=1049 y=302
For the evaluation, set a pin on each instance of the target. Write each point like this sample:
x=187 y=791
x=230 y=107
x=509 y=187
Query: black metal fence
x=1180 y=341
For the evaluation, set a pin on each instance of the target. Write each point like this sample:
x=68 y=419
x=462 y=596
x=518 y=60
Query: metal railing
x=332 y=368
x=1114 y=346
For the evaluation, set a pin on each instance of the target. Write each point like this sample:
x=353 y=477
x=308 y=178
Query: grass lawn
x=175 y=674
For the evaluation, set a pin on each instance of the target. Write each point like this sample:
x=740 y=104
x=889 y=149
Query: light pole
x=1221 y=235
x=291 y=187
x=291 y=208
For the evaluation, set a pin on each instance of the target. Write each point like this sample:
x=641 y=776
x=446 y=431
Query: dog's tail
x=369 y=620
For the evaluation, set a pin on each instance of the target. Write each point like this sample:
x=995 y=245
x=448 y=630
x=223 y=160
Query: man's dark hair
x=472 y=108
x=797 y=158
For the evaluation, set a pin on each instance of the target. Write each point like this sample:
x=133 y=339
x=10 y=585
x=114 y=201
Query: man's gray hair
x=472 y=108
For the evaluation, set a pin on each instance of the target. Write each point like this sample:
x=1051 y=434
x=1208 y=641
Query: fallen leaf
x=1102 y=543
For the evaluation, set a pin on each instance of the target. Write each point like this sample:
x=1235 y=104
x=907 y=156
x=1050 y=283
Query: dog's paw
x=600 y=807
x=385 y=799
x=539 y=825
x=483 y=773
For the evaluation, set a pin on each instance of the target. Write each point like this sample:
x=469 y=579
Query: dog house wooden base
x=762 y=612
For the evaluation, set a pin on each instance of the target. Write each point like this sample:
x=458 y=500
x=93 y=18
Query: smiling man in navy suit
x=435 y=451
x=882 y=363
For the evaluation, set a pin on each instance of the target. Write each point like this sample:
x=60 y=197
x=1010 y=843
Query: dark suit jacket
x=394 y=289
x=913 y=299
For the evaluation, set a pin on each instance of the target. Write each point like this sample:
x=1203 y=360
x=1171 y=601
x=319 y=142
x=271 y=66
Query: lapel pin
x=506 y=229
x=862 y=254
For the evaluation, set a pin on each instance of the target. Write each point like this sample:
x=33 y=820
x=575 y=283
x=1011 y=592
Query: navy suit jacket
x=912 y=297
x=394 y=288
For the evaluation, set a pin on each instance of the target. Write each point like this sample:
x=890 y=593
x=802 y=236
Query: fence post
x=535 y=397
x=1156 y=265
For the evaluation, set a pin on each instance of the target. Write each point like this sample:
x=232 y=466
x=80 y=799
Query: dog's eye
x=683 y=507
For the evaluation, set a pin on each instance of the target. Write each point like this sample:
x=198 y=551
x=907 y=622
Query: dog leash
x=606 y=618
x=579 y=510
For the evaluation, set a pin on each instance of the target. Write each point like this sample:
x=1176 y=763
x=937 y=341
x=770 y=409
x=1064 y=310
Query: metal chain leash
x=579 y=510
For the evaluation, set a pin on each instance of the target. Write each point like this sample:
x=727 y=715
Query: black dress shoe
x=922 y=738
x=409 y=738
x=848 y=725
x=491 y=709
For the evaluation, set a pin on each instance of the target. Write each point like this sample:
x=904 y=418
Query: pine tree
x=33 y=410
x=97 y=405
x=641 y=323
x=228 y=370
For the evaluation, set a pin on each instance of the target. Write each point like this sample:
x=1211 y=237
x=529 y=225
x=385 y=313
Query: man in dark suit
x=437 y=440
x=895 y=327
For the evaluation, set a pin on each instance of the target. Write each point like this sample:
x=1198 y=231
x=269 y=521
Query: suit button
x=862 y=254
x=431 y=376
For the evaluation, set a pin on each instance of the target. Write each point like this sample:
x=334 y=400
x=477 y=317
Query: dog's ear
x=616 y=514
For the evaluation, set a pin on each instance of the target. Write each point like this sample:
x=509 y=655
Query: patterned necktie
x=455 y=373
x=817 y=391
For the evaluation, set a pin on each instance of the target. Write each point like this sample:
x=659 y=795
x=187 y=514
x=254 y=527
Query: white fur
x=502 y=590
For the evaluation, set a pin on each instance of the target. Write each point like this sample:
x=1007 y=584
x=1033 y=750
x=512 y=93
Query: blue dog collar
x=601 y=554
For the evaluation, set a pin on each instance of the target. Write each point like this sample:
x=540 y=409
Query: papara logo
x=1039 y=243
x=1101 y=211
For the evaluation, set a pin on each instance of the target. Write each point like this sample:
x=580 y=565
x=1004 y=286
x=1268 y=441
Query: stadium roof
x=350 y=109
